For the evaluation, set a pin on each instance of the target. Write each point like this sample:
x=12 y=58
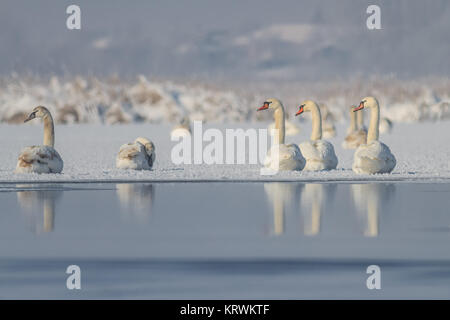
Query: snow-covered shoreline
x=88 y=150
x=422 y=179
x=113 y=100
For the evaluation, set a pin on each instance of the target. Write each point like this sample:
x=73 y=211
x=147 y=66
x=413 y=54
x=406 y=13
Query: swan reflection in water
x=136 y=199
x=370 y=201
x=309 y=200
x=315 y=197
x=39 y=206
x=281 y=196
x=312 y=198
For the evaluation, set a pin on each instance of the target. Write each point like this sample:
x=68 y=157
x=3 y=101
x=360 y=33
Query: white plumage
x=357 y=132
x=319 y=154
x=139 y=155
x=355 y=139
x=39 y=159
x=375 y=156
x=290 y=158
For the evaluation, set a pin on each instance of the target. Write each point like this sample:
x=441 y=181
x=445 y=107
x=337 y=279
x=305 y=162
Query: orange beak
x=300 y=110
x=361 y=106
x=264 y=107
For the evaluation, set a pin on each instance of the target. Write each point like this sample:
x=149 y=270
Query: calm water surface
x=225 y=240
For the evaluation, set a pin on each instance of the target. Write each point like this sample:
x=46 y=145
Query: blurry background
x=254 y=48
x=252 y=39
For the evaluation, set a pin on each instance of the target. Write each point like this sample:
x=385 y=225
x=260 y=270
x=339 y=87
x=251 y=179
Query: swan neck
x=316 y=133
x=279 y=124
x=49 y=131
x=373 y=133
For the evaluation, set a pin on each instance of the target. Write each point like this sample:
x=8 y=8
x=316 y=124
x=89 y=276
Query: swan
x=328 y=128
x=182 y=129
x=41 y=159
x=139 y=155
x=357 y=133
x=319 y=154
x=375 y=156
x=385 y=125
x=291 y=129
x=290 y=157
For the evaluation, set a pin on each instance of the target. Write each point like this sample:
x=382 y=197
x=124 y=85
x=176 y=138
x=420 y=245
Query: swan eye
x=267 y=102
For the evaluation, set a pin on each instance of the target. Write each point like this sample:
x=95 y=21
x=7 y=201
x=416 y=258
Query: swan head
x=367 y=102
x=149 y=146
x=38 y=112
x=271 y=103
x=306 y=106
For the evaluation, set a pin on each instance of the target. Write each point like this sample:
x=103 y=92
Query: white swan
x=375 y=156
x=385 y=125
x=290 y=157
x=328 y=128
x=139 y=155
x=41 y=159
x=182 y=129
x=357 y=133
x=319 y=154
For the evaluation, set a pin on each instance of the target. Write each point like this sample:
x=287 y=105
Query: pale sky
x=246 y=39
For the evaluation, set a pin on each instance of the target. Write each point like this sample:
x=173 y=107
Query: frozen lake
x=225 y=240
